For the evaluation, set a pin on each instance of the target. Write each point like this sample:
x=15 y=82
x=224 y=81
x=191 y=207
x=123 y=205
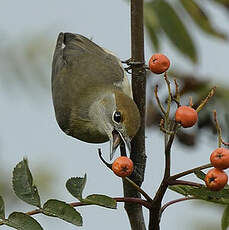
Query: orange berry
x=220 y=158
x=159 y=63
x=123 y=166
x=216 y=179
x=186 y=115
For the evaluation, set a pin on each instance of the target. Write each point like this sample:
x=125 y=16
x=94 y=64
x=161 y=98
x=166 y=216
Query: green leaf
x=23 y=184
x=21 y=221
x=75 y=186
x=101 y=200
x=203 y=193
x=175 y=29
x=225 y=218
x=201 y=175
x=2 y=208
x=225 y=3
x=200 y=17
x=62 y=210
x=151 y=24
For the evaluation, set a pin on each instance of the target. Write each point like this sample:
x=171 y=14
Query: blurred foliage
x=25 y=62
x=172 y=19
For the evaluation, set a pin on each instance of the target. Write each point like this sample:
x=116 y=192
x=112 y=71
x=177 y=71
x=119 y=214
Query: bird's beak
x=115 y=141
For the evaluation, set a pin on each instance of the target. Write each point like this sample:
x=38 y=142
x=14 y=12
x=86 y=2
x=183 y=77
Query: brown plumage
x=88 y=86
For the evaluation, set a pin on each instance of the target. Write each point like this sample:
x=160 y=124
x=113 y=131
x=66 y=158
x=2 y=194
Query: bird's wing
x=87 y=63
x=79 y=69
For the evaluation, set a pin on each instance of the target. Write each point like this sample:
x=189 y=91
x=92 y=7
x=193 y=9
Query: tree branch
x=175 y=201
x=178 y=175
x=137 y=154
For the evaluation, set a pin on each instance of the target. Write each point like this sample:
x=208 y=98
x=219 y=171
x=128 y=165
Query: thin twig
x=166 y=118
x=102 y=159
x=181 y=174
x=177 y=93
x=79 y=204
x=183 y=182
x=164 y=184
x=163 y=129
x=219 y=131
x=204 y=102
x=218 y=128
x=224 y=143
x=148 y=198
x=34 y=212
x=190 y=101
x=158 y=100
x=176 y=101
x=173 y=202
x=170 y=94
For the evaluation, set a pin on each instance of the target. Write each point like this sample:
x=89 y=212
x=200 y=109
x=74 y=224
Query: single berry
x=159 y=63
x=123 y=166
x=186 y=115
x=220 y=158
x=216 y=179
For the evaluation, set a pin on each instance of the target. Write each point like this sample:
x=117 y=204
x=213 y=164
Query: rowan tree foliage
x=161 y=18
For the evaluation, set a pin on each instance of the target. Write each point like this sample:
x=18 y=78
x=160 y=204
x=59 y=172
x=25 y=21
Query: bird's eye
x=117 y=116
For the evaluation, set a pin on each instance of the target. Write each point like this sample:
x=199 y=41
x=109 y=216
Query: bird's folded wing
x=85 y=63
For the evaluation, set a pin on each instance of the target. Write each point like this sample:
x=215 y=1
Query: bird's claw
x=131 y=63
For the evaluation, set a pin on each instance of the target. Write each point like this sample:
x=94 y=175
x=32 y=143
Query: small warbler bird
x=91 y=94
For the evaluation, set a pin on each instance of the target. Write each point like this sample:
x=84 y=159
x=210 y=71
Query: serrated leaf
x=201 y=175
x=101 y=200
x=62 y=210
x=75 y=186
x=200 y=17
x=225 y=218
x=21 y=221
x=175 y=29
x=151 y=24
x=2 y=208
x=23 y=184
x=203 y=193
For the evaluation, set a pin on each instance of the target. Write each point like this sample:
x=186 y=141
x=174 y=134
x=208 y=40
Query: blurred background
x=192 y=33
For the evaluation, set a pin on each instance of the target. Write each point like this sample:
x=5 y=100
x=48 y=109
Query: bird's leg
x=126 y=61
x=131 y=63
x=127 y=69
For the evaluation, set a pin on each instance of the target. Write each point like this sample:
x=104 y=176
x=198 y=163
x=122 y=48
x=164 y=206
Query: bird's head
x=117 y=116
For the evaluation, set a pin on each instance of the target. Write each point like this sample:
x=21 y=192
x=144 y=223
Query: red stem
x=118 y=199
x=173 y=202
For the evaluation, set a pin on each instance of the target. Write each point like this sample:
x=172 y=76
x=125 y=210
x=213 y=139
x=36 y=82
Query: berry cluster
x=216 y=178
x=186 y=116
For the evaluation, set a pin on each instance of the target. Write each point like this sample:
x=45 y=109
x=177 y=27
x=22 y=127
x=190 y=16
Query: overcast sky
x=28 y=127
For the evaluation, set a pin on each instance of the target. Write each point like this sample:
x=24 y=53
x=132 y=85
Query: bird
x=91 y=93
